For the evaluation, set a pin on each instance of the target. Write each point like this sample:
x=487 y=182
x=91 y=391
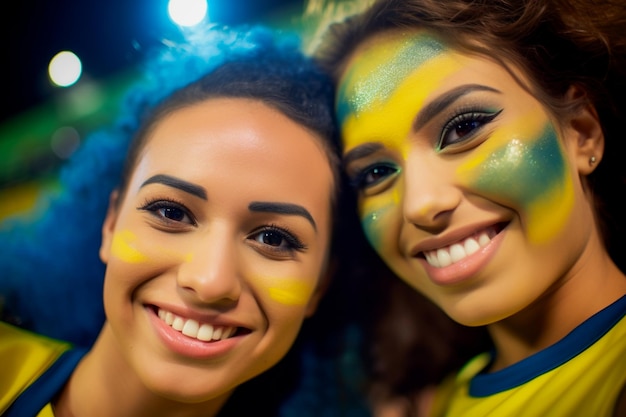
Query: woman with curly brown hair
x=484 y=141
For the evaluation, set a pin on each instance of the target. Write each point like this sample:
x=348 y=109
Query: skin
x=206 y=231
x=445 y=146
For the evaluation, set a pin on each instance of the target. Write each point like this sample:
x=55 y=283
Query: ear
x=108 y=227
x=320 y=290
x=583 y=133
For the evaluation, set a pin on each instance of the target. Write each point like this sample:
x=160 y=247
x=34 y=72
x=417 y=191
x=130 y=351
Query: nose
x=210 y=275
x=430 y=193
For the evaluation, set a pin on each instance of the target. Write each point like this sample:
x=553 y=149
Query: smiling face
x=216 y=253
x=469 y=188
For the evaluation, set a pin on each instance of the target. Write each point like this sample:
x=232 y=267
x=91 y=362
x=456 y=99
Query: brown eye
x=271 y=238
x=463 y=127
x=169 y=212
x=374 y=174
x=278 y=239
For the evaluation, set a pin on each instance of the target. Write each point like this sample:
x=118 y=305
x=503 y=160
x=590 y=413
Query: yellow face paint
x=372 y=104
x=523 y=164
x=375 y=215
x=124 y=247
x=381 y=115
x=289 y=291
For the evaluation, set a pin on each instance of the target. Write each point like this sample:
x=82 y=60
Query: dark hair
x=55 y=248
x=288 y=82
x=50 y=266
x=557 y=44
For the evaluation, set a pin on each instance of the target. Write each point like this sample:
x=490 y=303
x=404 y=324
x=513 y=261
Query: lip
x=466 y=268
x=186 y=346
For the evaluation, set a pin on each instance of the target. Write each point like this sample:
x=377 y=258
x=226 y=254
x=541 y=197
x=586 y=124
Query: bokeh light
x=187 y=12
x=65 y=69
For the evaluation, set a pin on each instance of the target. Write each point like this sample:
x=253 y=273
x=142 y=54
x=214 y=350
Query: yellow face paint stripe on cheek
x=124 y=247
x=288 y=291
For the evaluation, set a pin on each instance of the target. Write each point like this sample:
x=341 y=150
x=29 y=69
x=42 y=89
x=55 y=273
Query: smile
x=448 y=255
x=192 y=328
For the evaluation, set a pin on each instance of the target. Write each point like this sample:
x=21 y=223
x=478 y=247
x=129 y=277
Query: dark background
x=108 y=36
x=111 y=38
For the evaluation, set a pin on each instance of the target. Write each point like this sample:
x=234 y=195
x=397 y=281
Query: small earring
x=592 y=160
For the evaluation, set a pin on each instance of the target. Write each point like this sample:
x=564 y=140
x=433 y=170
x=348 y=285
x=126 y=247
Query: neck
x=104 y=385
x=592 y=285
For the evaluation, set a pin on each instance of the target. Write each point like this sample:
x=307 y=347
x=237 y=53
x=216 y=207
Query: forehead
x=233 y=138
x=380 y=64
x=397 y=73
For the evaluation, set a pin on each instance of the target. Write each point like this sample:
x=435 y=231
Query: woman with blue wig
x=218 y=187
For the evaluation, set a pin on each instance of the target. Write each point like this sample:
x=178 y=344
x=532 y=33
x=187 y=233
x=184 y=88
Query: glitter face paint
x=397 y=73
x=529 y=169
x=373 y=97
x=388 y=79
x=468 y=185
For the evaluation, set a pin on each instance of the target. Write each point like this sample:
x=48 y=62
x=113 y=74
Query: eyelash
x=480 y=117
x=292 y=242
x=289 y=238
x=155 y=205
x=360 y=182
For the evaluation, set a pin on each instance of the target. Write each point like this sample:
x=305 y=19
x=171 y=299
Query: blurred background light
x=65 y=69
x=187 y=12
x=104 y=45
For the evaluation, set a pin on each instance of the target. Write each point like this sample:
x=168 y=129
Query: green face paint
x=529 y=173
x=372 y=224
x=374 y=81
x=521 y=165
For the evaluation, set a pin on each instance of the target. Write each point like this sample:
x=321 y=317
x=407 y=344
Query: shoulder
x=29 y=356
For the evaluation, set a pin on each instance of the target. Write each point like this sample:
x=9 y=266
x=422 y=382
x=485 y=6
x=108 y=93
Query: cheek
x=528 y=172
x=288 y=291
x=379 y=215
x=127 y=247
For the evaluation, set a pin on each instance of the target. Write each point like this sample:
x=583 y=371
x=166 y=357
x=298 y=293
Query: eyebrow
x=282 y=208
x=174 y=182
x=440 y=103
x=361 y=151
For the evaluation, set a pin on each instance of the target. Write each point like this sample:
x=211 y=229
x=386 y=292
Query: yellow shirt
x=34 y=368
x=579 y=376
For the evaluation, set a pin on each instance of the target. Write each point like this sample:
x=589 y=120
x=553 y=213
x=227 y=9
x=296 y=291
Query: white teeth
x=192 y=328
x=443 y=257
x=471 y=246
x=431 y=258
x=169 y=318
x=178 y=323
x=483 y=240
x=205 y=332
x=457 y=252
